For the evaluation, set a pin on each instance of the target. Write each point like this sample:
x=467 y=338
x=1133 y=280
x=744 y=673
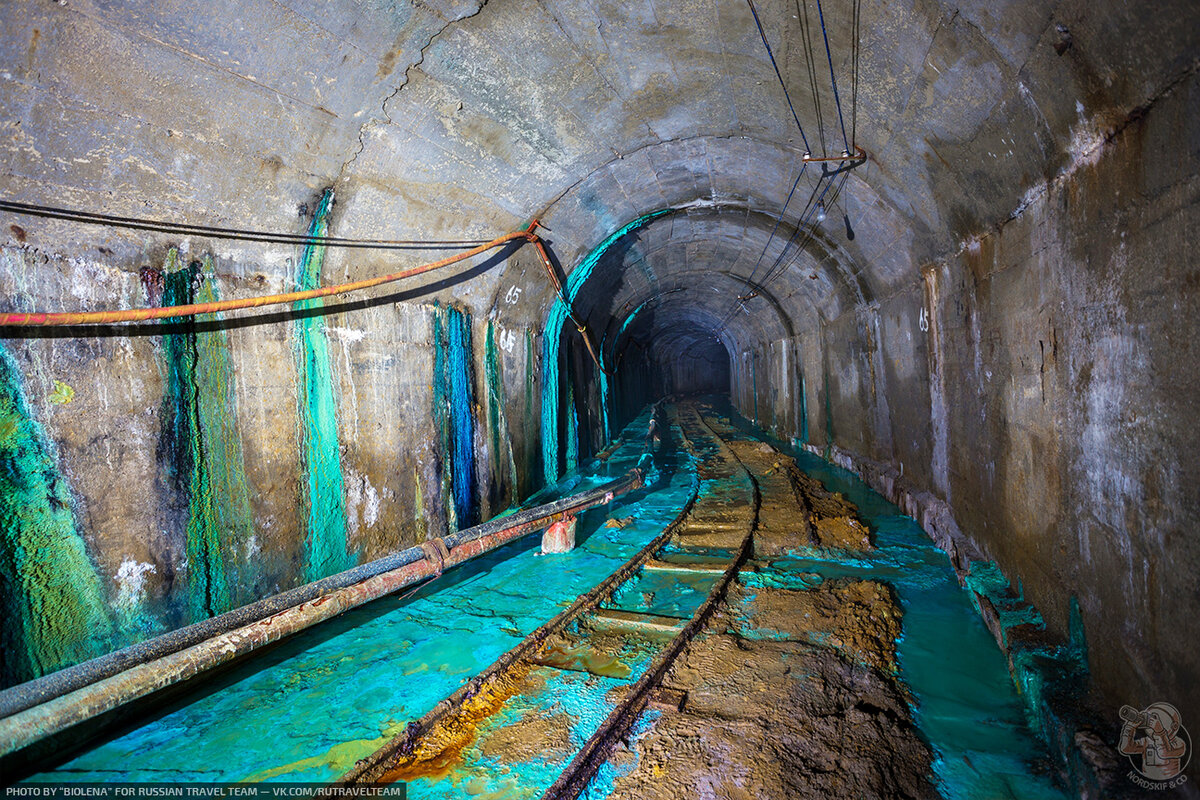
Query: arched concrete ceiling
x=450 y=119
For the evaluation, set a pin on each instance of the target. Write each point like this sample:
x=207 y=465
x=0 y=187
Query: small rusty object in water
x=559 y=537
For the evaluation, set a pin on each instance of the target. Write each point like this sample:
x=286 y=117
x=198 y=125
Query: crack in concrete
x=603 y=78
x=1136 y=114
x=917 y=78
x=383 y=107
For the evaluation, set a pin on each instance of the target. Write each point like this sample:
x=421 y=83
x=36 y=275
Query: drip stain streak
x=454 y=414
x=200 y=447
x=498 y=438
x=325 y=492
x=53 y=604
x=552 y=343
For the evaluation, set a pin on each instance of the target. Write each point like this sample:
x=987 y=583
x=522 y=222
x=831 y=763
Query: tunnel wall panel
x=1042 y=382
x=99 y=396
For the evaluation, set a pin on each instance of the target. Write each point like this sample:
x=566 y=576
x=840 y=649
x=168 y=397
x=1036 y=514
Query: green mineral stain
x=828 y=416
x=324 y=490
x=203 y=447
x=53 y=604
x=62 y=394
x=499 y=440
x=531 y=453
x=803 y=407
x=454 y=414
x=754 y=380
x=605 y=390
x=441 y=416
x=552 y=341
x=572 y=448
x=329 y=694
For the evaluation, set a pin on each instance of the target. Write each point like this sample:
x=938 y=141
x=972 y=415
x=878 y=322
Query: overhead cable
x=832 y=77
x=763 y=35
x=240 y=234
x=40 y=318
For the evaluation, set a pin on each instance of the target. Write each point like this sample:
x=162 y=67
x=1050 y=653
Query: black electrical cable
x=857 y=25
x=763 y=35
x=810 y=229
x=778 y=221
x=832 y=77
x=796 y=231
x=749 y=281
x=810 y=63
x=804 y=230
x=185 y=229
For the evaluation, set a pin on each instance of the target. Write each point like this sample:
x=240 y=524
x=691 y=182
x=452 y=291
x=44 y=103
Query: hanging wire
x=809 y=229
x=832 y=77
x=749 y=281
x=854 y=90
x=763 y=35
x=805 y=227
x=824 y=193
x=240 y=234
x=778 y=221
x=810 y=63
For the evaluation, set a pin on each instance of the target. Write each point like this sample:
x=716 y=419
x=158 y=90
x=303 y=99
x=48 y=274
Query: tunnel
x=670 y=398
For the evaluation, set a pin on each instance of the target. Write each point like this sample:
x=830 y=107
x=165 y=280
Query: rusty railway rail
x=599 y=747
x=372 y=768
x=45 y=707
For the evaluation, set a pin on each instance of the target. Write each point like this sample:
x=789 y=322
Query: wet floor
x=966 y=706
x=310 y=708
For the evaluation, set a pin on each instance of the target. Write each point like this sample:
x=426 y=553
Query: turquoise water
x=966 y=705
x=664 y=594
x=581 y=700
x=309 y=708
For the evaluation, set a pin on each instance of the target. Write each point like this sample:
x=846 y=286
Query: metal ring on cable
x=435 y=550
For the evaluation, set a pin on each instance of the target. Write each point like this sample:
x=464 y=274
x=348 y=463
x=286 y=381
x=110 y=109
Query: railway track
x=620 y=639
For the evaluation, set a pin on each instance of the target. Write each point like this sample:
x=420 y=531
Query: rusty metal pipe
x=374 y=767
x=29 y=694
x=73 y=707
x=581 y=327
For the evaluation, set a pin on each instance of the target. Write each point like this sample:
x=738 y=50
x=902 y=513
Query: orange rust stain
x=440 y=749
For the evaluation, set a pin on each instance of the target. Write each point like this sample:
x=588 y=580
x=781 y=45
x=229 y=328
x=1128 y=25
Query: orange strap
x=161 y=312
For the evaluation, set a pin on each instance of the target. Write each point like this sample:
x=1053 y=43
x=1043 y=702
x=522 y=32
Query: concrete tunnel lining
x=1004 y=347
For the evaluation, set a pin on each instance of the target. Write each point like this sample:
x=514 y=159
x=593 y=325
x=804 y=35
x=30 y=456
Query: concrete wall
x=1043 y=382
x=176 y=455
x=1035 y=373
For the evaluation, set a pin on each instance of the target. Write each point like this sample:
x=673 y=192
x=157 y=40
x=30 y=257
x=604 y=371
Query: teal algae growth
x=334 y=694
x=325 y=491
x=572 y=443
x=498 y=438
x=441 y=416
x=454 y=414
x=1052 y=675
x=605 y=389
x=200 y=445
x=803 y=389
x=531 y=450
x=53 y=609
x=552 y=343
x=828 y=416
